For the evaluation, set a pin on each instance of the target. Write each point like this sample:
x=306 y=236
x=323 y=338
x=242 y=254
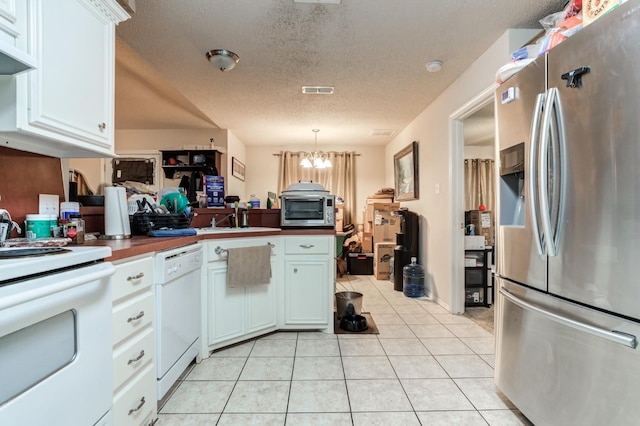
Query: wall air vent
x=317 y=90
x=382 y=132
x=318 y=1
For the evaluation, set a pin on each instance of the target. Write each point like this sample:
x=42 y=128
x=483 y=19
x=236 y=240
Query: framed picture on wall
x=405 y=172
x=237 y=168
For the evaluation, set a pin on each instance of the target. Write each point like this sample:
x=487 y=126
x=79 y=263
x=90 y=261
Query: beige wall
x=431 y=129
x=234 y=186
x=262 y=170
x=483 y=152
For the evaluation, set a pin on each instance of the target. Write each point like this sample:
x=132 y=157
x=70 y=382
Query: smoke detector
x=434 y=66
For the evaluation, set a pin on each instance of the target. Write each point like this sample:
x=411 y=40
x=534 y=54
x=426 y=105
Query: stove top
x=31 y=252
x=14 y=267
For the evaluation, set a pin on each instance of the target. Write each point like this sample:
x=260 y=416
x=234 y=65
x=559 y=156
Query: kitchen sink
x=222 y=230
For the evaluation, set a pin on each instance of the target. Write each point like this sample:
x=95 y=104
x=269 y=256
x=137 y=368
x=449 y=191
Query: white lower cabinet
x=233 y=314
x=134 y=379
x=309 y=283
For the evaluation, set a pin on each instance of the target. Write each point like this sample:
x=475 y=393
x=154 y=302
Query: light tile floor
x=425 y=367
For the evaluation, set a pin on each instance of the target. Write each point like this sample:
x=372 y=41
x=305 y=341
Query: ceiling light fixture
x=434 y=66
x=317 y=159
x=222 y=59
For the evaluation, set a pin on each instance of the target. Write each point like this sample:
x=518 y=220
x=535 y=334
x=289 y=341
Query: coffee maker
x=407 y=244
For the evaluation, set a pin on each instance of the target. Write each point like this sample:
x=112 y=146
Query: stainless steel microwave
x=310 y=210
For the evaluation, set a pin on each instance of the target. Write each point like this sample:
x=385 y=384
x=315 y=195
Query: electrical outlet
x=49 y=204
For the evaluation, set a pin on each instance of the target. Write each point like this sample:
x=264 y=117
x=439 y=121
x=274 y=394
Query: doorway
x=458 y=120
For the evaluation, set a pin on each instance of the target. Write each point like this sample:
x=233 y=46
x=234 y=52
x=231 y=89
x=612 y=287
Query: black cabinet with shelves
x=184 y=160
x=478 y=282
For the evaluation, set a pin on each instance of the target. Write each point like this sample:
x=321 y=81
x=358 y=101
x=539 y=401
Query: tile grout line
x=222 y=412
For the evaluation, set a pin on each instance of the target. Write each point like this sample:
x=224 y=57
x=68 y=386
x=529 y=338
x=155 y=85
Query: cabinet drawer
x=136 y=403
x=132 y=357
x=132 y=315
x=216 y=251
x=131 y=277
x=307 y=245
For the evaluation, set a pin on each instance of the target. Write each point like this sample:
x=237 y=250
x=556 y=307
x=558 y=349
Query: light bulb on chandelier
x=316 y=159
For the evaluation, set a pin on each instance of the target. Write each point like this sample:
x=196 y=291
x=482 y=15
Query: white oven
x=55 y=339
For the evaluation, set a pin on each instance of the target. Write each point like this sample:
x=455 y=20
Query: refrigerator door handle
x=532 y=177
x=614 y=336
x=543 y=177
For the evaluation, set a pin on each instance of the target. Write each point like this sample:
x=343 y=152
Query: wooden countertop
x=140 y=244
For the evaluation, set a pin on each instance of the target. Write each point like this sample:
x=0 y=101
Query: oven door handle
x=26 y=296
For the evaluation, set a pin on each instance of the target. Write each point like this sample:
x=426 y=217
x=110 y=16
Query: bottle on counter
x=74 y=229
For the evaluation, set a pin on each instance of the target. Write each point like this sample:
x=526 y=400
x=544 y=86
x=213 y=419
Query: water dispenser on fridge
x=512 y=186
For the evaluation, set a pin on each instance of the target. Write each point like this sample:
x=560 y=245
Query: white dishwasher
x=177 y=312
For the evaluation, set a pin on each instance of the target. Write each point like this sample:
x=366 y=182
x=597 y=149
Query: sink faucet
x=230 y=217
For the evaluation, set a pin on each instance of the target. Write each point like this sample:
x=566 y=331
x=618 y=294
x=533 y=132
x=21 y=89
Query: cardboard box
x=339 y=225
x=483 y=221
x=593 y=10
x=474 y=242
x=339 y=212
x=367 y=242
x=214 y=188
x=386 y=224
x=383 y=254
x=370 y=207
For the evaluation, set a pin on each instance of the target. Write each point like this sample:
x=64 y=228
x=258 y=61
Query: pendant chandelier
x=316 y=159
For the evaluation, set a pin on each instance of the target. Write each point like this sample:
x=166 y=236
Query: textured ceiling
x=373 y=51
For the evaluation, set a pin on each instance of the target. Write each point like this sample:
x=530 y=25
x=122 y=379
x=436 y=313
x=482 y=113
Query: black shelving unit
x=184 y=160
x=478 y=280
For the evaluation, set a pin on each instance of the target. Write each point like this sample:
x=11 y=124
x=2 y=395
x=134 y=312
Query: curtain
x=338 y=180
x=479 y=178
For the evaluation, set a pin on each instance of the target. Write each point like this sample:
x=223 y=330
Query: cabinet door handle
x=133 y=410
x=306 y=246
x=295 y=270
x=136 y=359
x=102 y=126
x=137 y=317
x=135 y=277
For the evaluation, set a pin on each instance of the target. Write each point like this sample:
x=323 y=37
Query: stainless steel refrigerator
x=568 y=266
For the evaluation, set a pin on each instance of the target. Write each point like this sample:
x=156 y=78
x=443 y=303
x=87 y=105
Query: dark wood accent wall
x=24 y=176
x=269 y=218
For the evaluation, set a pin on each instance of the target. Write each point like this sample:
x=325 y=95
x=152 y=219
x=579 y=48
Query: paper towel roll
x=116 y=217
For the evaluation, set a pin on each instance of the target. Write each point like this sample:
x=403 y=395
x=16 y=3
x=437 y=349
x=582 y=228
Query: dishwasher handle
x=614 y=336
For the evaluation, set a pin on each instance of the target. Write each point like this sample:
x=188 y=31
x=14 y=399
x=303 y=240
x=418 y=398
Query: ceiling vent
x=318 y=1
x=317 y=90
x=382 y=132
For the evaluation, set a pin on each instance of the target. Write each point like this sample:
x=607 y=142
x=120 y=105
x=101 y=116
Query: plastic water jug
x=413 y=279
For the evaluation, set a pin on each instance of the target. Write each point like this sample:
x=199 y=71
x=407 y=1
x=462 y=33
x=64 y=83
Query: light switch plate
x=49 y=204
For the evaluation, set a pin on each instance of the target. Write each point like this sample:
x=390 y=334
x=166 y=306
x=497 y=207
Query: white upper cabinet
x=65 y=107
x=13 y=28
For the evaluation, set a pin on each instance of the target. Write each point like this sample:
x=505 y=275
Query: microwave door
x=304 y=210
